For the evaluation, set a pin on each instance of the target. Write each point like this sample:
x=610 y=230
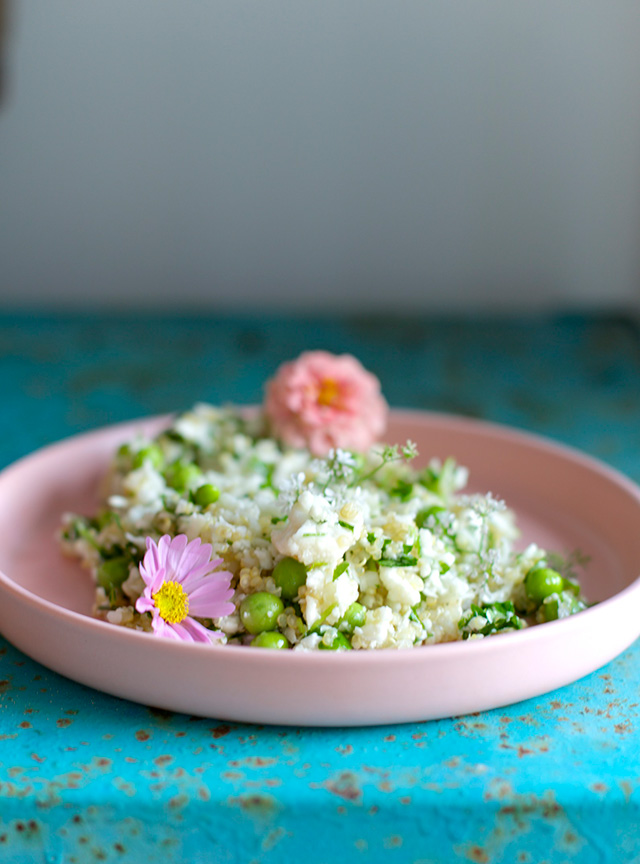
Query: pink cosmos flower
x=323 y=401
x=180 y=579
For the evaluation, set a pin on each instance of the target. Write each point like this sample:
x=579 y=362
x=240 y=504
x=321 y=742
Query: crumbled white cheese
x=313 y=534
x=402 y=586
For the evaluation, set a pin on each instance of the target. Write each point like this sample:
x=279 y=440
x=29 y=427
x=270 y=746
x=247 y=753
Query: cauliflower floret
x=145 y=485
x=402 y=585
x=377 y=630
x=309 y=643
x=133 y=586
x=323 y=592
x=313 y=534
x=433 y=553
x=123 y=615
x=400 y=527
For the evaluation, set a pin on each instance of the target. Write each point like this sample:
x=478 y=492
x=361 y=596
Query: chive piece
x=340 y=569
x=413 y=616
x=322 y=618
x=400 y=561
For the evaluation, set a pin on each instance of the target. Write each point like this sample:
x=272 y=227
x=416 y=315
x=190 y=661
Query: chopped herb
x=440 y=479
x=269 y=469
x=423 y=517
x=345 y=525
x=172 y=435
x=276 y=519
x=322 y=618
x=104 y=518
x=80 y=529
x=402 y=490
x=400 y=561
x=497 y=617
x=340 y=569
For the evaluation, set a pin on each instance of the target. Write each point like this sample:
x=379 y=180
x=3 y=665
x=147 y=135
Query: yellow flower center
x=172 y=602
x=328 y=392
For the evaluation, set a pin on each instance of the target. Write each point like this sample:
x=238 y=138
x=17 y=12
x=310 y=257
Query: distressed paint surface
x=88 y=777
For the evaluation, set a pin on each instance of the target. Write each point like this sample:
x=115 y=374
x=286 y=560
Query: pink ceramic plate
x=563 y=500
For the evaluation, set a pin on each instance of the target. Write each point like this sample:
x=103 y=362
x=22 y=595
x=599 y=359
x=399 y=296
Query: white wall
x=411 y=152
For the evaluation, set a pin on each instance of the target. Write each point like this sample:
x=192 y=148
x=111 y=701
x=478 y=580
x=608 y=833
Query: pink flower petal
x=211 y=601
x=197 y=632
x=195 y=577
x=148 y=565
x=147 y=577
x=178 y=631
x=196 y=556
x=151 y=563
x=163 y=550
x=174 y=556
x=157 y=581
x=144 y=604
x=161 y=628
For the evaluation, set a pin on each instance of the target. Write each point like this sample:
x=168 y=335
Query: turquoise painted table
x=87 y=777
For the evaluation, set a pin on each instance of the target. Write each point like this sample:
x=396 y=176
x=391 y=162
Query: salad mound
x=218 y=530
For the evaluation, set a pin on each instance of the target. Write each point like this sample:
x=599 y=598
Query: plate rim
x=427 y=657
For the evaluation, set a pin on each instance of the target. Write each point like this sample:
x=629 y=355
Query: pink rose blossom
x=323 y=401
x=180 y=579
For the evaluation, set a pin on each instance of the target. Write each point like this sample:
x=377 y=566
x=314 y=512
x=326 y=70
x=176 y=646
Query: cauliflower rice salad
x=228 y=528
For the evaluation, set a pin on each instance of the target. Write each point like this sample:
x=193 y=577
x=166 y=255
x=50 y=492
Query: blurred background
x=419 y=155
x=192 y=193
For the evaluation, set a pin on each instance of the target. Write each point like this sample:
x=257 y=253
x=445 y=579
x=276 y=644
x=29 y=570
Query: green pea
x=181 y=475
x=260 y=612
x=206 y=494
x=541 y=582
x=270 y=639
x=289 y=575
x=152 y=454
x=113 y=572
x=354 y=617
x=338 y=643
x=423 y=515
